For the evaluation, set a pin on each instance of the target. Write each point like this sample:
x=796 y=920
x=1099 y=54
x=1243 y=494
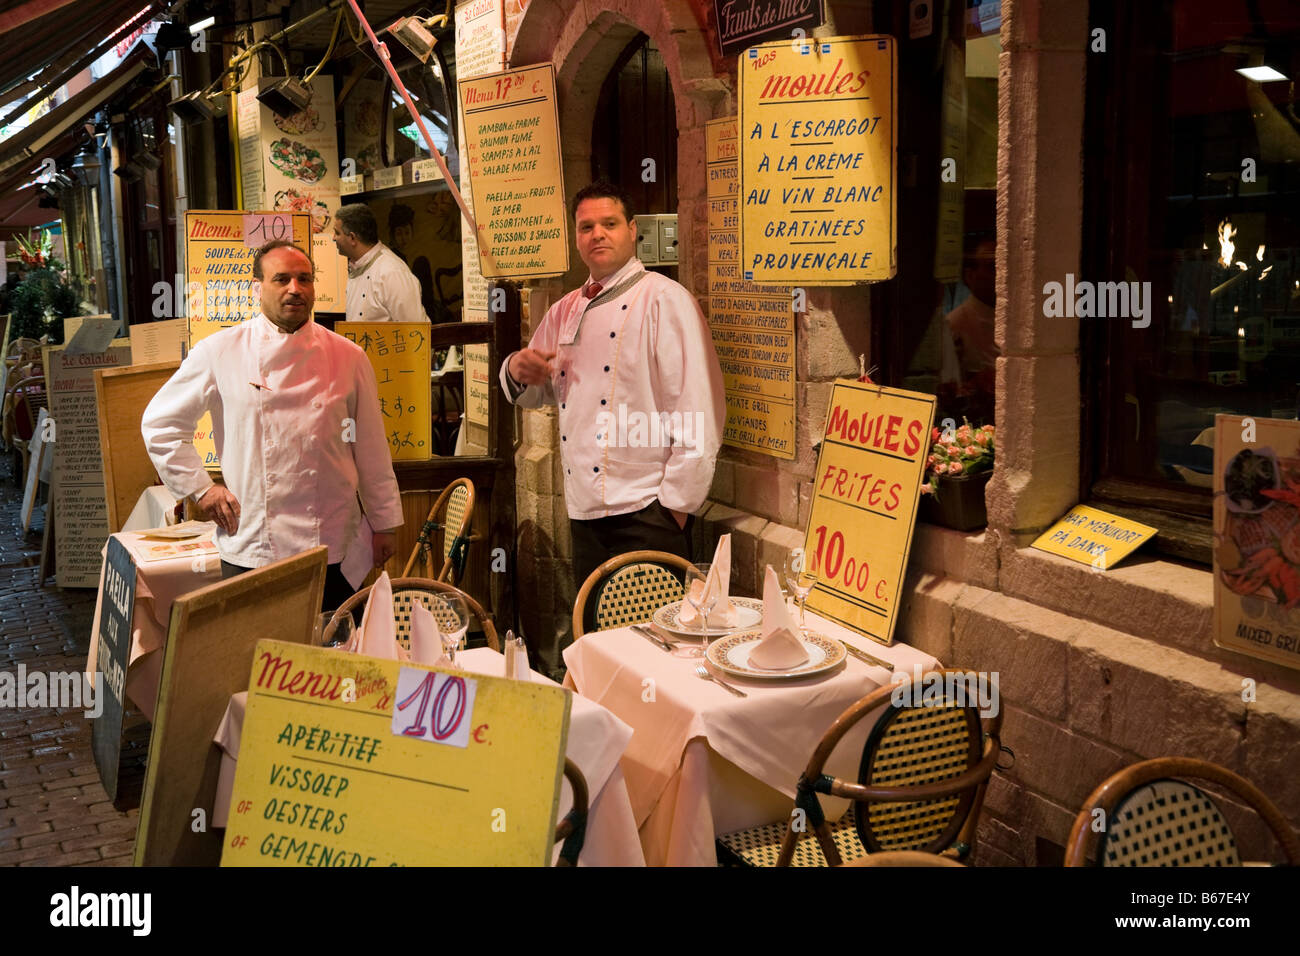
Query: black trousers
x=337 y=589
x=653 y=528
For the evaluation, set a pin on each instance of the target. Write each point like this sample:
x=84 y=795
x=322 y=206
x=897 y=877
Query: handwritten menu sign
x=356 y=761
x=817 y=161
x=1094 y=537
x=512 y=145
x=113 y=653
x=743 y=23
x=480 y=49
x=1257 y=537
x=865 y=491
x=753 y=326
x=399 y=354
x=219 y=276
x=80 y=501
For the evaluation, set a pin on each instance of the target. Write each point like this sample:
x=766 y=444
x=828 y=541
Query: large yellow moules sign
x=357 y=761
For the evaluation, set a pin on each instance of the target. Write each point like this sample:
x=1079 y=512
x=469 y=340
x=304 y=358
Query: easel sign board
x=1257 y=537
x=405 y=765
x=1094 y=537
x=865 y=493
x=121 y=396
x=113 y=642
x=210 y=641
x=400 y=356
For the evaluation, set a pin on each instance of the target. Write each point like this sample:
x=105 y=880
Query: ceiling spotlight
x=130 y=172
x=192 y=108
x=147 y=160
x=415 y=35
x=172 y=35
x=286 y=96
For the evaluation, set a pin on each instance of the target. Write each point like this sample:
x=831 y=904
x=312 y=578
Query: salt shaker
x=510 y=654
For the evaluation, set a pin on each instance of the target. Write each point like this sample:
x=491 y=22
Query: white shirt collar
x=365 y=261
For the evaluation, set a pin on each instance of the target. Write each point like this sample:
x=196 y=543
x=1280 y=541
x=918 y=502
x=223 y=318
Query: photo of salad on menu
x=297 y=160
x=1257 y=537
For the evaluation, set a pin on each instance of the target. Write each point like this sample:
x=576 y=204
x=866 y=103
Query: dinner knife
x=650 y=636
x=865 y=657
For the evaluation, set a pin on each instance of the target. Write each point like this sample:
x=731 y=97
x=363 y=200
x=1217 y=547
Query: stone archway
x=584 y=42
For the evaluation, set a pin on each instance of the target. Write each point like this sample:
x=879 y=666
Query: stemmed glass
x=703 y=602
x=801 y=577
x=340 y=638
x=452 y=615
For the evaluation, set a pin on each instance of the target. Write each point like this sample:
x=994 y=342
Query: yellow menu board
x=1257 y=537
x=399 y=354
x=817 y=161
x=753 y=326
x=863 y=513
x=1094 y=537
x=219 y=278
x=356 y=761
x=512 y=145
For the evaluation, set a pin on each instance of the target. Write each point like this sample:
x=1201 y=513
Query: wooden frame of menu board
x=121 y=395
x=208 y=656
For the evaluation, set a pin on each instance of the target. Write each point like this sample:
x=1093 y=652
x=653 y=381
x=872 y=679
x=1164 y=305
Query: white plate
x=749 y=613
x=731 y=656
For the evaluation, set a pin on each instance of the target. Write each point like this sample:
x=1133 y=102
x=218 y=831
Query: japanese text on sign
x=817 y=161
x=753 y=326
x=512 y=145
x=865 y=493
x=399 y=354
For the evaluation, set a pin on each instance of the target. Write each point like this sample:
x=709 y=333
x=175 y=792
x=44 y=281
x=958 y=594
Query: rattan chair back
x=445 y=537
x=1149 y=816
x=425 y=590
x=628 y=589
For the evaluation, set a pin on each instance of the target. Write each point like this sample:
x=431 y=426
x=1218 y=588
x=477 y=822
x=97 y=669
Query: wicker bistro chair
x=628 y=589
x=407 y=590
x=922 y=778
x=573 y=828
x=446 y=532
x=1151 y=819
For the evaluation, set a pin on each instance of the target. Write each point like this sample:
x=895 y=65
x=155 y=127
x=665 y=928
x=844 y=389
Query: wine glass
x=452 y=615
x=801 y=577
x=702 y=598
x=339 y=638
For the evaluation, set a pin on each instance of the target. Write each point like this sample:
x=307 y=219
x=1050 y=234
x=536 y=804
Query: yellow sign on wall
x=753 y=326
x=863 y=513
x=512 y=151
x=1094 y=537
x=399 y=354
x=219 y=281
x=356 y=761
x=817 y=161
x=1257 y=537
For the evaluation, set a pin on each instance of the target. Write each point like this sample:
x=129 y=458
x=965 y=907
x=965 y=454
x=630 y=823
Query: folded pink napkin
x=378 y=627
x=724 y=613
x=780 y=647
x=426 y=639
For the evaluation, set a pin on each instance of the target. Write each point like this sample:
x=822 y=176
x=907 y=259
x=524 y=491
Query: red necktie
x=591 y=291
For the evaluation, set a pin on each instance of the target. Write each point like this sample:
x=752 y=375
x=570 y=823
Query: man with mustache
x=297 y=425
x=628 y=344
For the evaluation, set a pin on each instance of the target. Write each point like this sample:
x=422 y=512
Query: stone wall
x=1097 y=670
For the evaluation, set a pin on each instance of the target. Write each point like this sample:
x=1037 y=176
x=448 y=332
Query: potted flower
x=956 y=472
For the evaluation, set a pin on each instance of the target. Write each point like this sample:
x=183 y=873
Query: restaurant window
x=1192 y=199
x=933 y=324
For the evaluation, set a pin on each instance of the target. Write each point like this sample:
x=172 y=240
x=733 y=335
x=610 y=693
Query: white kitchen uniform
x=382 y=289
x=640 y=394
x=297 y=427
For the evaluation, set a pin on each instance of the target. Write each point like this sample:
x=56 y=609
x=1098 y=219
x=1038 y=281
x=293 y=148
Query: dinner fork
x=703 y=673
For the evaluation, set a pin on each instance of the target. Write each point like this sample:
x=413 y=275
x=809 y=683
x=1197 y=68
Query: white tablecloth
x=702 y=762
x=596 y=741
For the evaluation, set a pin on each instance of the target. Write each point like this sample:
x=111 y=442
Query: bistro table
x=703 y=763
x=157 y=585
x=596 y=741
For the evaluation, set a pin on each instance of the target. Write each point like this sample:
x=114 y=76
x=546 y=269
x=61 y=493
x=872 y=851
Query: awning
x=34 y=33
x=55 y=132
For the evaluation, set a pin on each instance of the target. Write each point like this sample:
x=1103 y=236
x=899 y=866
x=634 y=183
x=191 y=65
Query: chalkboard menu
x=113 y=640
x=742 y=23
x=753 y=325
x=512 y=144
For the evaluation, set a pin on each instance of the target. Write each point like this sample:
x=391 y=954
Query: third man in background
x=380 y=286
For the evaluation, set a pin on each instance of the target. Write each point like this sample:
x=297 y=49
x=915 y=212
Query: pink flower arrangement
x=968 y=450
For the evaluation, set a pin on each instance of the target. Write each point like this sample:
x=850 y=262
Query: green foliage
x=41 y=301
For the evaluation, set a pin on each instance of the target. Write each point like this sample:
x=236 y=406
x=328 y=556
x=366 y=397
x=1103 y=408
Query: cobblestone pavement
x=53 y=809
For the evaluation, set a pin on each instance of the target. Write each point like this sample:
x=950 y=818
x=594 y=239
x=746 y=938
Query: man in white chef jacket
x=297 y=426
x=629 y=360
x=381 y=288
